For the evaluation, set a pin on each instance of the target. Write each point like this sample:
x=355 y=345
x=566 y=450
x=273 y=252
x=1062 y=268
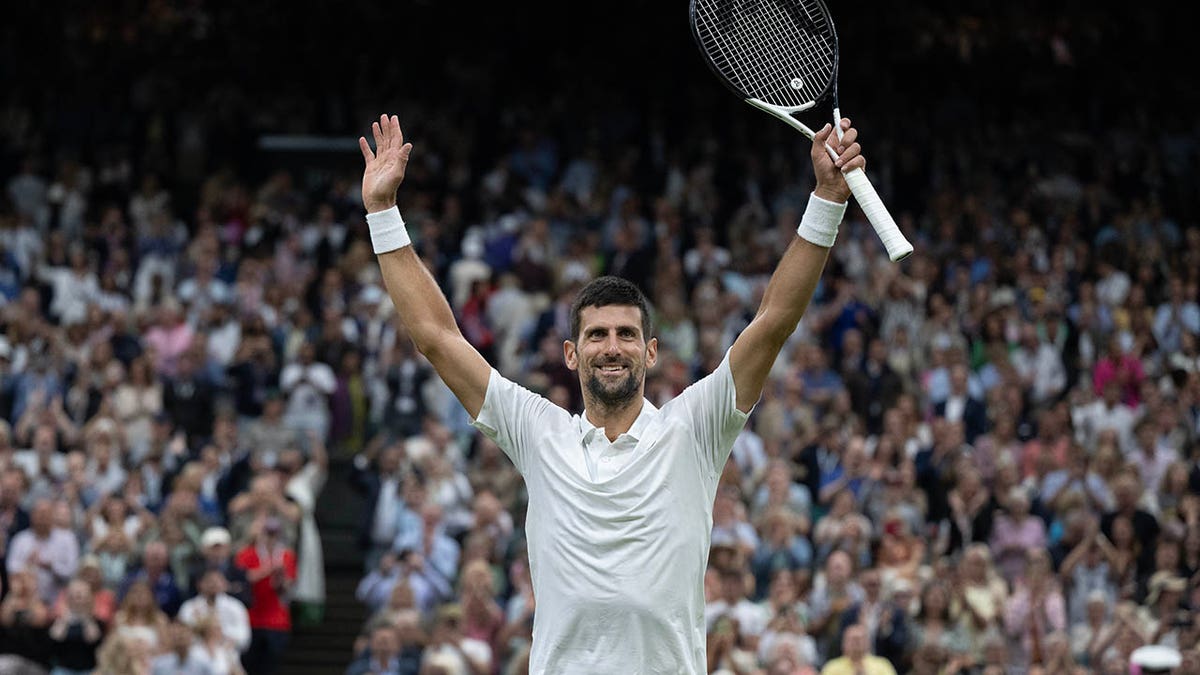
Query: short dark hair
x=609 y=290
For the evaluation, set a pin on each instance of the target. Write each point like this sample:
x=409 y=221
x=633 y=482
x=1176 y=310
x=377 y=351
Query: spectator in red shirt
x=271 y=571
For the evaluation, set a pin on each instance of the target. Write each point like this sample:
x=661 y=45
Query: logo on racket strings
x=797 y=83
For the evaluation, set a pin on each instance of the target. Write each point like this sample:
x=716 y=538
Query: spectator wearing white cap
x=216 y=553
x=1155 y=660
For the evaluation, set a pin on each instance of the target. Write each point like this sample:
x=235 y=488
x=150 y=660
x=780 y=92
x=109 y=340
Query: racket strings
x=779 y=29
x=743 y=46
x=759 y=46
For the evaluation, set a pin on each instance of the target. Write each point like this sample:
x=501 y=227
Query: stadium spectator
x=139 y=617
x=156 y=574
x=382 y=657
x=214 y=609
x=270 y=567
x=179 y=655
x=76 y=632
x=856 y=656
x=49 y=553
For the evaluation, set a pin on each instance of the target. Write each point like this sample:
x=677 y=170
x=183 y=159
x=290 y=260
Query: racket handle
x=898 y=248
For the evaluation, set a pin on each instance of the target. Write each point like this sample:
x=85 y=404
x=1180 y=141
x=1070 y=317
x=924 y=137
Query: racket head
x=781 y=52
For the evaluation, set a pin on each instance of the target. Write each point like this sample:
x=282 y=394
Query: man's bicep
x=750 y=360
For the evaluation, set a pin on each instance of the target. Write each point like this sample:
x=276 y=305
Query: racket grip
x=898 y=248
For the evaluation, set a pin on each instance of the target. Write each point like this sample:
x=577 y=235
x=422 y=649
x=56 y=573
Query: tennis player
x=620 y=497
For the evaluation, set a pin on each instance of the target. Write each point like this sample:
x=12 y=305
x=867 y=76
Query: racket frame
x=898 y=247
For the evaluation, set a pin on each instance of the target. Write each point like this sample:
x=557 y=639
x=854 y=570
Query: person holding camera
x=270 y=567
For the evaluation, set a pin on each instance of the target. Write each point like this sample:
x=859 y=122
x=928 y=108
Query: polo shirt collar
x=637 y=432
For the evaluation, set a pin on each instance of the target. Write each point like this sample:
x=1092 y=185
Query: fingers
x=388 y=135
x=385 y=128
x=849 y=151
x=852 y=155
x=368 y=156
x=842 y=127
x=823 y=135
x=846 y=140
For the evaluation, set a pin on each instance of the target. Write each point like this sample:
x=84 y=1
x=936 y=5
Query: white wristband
x=387 y=230
x=820 y=222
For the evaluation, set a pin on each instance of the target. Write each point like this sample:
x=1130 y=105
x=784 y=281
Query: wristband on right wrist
x=387 y=231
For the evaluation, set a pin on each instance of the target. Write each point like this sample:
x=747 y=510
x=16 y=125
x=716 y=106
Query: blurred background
x=216 y=450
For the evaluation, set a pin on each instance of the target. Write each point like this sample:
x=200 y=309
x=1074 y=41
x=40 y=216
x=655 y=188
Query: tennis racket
x=781 y=56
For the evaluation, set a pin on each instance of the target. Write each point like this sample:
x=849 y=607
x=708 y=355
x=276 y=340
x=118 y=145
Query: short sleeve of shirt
x=711 y=406
x=510 y=415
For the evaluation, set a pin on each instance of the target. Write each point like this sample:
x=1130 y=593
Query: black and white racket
x=781 y=56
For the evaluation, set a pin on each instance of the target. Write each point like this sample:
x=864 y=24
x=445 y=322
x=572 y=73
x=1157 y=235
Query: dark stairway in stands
x=326 y=649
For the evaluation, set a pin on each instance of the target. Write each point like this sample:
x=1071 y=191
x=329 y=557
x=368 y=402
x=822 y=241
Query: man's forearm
x=791 y=288
x=420 y=303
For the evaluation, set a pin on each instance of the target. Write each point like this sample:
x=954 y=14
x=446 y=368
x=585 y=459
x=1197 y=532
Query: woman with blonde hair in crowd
x=212 y=649
x=121 y=654
x=136 y=402
x=901 y=553
x=1015 y=532
x=139 y=617
x=483 y=618
x=937 y=622
x=1036 y=608
x=113 y=530
x=980 y=590
x=23 y=617
x=1172 y=490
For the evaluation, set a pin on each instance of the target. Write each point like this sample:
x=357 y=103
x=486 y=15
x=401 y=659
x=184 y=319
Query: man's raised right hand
x=385 y=167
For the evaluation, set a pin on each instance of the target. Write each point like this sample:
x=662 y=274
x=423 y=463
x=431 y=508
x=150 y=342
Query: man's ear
x=651 y=353
x=570 y=356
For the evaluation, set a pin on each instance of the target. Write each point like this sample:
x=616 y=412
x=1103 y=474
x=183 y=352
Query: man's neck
x=614 y=421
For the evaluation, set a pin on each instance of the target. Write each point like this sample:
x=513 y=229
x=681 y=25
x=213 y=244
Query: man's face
x=611 y=354
x=12 y=489
x=958 y=379
x=217 y=552
x=155 y=557
x=44 y=440
x=872 y=584
x=854 y=642
x=732 y=587
x=383 y=643
x=838 y=567
x=42 y=516
x=389 y=460
x=212 y=584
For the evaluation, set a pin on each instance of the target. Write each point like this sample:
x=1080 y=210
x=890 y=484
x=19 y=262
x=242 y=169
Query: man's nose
x=612 y=345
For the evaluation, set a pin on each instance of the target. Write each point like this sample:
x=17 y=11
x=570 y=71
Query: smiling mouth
x=612 y=369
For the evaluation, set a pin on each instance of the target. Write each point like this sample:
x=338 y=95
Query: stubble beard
x=620 y=394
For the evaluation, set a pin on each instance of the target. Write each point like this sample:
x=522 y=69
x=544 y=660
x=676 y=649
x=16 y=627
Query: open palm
x=385 y=167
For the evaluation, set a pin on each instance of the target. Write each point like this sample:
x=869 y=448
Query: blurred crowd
x=983 y=460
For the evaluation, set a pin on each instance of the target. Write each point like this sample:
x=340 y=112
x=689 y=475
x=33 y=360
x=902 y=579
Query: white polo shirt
x=618 y=533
